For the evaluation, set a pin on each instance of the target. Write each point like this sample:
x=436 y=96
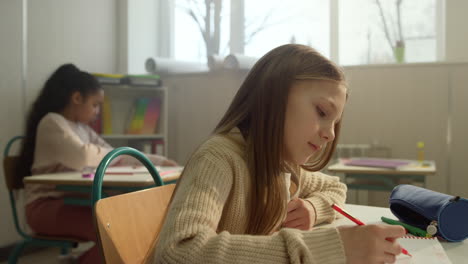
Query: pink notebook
x=379 y=163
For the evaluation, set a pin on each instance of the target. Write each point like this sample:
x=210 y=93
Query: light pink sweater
x=63 y=145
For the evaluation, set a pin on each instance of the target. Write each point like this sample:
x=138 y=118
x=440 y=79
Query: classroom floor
x=45 y=256
x=52 y=255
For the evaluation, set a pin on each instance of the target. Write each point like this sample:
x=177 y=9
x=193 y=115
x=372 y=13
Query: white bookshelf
x=122 y=100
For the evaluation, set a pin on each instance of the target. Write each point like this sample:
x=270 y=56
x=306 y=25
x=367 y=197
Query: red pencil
x=359 y=222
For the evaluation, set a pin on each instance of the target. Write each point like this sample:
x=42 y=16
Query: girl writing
x=57 y=139
x=252 y=193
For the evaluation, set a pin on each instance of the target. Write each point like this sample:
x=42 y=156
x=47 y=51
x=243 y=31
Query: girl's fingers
x=389 y=258
x=392 y=247
x=292 y=205
x=294 y=223
x=394 y=231
x=293 y=215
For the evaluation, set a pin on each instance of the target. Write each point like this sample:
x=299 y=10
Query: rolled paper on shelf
x=215 y=62
x=166 y=65
x=239 y=61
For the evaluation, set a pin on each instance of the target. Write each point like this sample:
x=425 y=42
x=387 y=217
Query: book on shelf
x=106 y=78
x=151 y=116
x=137 y=116
x=150 y=80
x=377 y=163
x=144 y=116
x=143 y=80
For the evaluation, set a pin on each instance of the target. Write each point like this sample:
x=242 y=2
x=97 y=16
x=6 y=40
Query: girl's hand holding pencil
x=370 y=243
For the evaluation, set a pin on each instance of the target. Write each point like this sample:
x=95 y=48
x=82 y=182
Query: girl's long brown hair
x=258 y=110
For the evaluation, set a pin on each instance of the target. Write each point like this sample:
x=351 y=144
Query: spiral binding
x=416 y=237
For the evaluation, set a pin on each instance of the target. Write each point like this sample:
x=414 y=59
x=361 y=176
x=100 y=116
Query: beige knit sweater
x=207 y=218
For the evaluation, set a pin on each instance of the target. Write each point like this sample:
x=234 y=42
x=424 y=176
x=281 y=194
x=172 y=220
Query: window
x=189 y=44
x=372 y=31
x=270 y=23
x=363 y=31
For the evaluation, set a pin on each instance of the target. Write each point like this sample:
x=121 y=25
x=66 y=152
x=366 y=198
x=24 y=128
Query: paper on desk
x=142 y=169
x=423 y=250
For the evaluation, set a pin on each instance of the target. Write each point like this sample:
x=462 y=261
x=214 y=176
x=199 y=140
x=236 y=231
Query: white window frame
x=166 y=10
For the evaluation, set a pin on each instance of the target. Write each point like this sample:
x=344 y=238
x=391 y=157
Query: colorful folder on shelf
x=151 y=116
x=145 y=117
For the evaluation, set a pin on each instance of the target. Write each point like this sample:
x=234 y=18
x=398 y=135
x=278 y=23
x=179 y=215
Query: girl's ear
x=77 y=98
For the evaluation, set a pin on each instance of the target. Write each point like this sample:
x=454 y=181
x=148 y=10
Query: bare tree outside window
x=267 y=24
x=270 y=23
x=376 y=31
x=208 y=15
x=370 y=31
x=208 y=19
x=395 y=41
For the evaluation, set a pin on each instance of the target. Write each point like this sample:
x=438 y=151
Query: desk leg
x=361 y=196
x=356 y=195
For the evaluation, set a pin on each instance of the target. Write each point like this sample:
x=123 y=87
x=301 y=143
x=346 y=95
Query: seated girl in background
x=58 y=139
x=252 y=193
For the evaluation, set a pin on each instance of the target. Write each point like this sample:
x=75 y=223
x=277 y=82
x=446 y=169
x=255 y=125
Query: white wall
x=10 y=98
x=398 y=106
x=456 y=30
x=83 y=32
x=458 y=164
x=196 y=104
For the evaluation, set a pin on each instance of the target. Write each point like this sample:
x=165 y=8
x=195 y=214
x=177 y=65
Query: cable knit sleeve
x=190 y=233
x=322 y=191
x=56 y=143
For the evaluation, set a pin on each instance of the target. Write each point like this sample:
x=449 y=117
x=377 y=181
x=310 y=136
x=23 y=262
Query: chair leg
x=64 y=251
x=14 y=255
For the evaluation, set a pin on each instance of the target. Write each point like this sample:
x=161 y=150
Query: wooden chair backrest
x=129 y=223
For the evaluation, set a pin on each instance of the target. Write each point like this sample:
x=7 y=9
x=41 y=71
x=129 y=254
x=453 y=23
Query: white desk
x=382 y=179
x=114 y=177
x=456 y=251
x=124 y=179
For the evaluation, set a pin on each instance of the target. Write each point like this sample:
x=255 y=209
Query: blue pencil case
x=437 y=213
